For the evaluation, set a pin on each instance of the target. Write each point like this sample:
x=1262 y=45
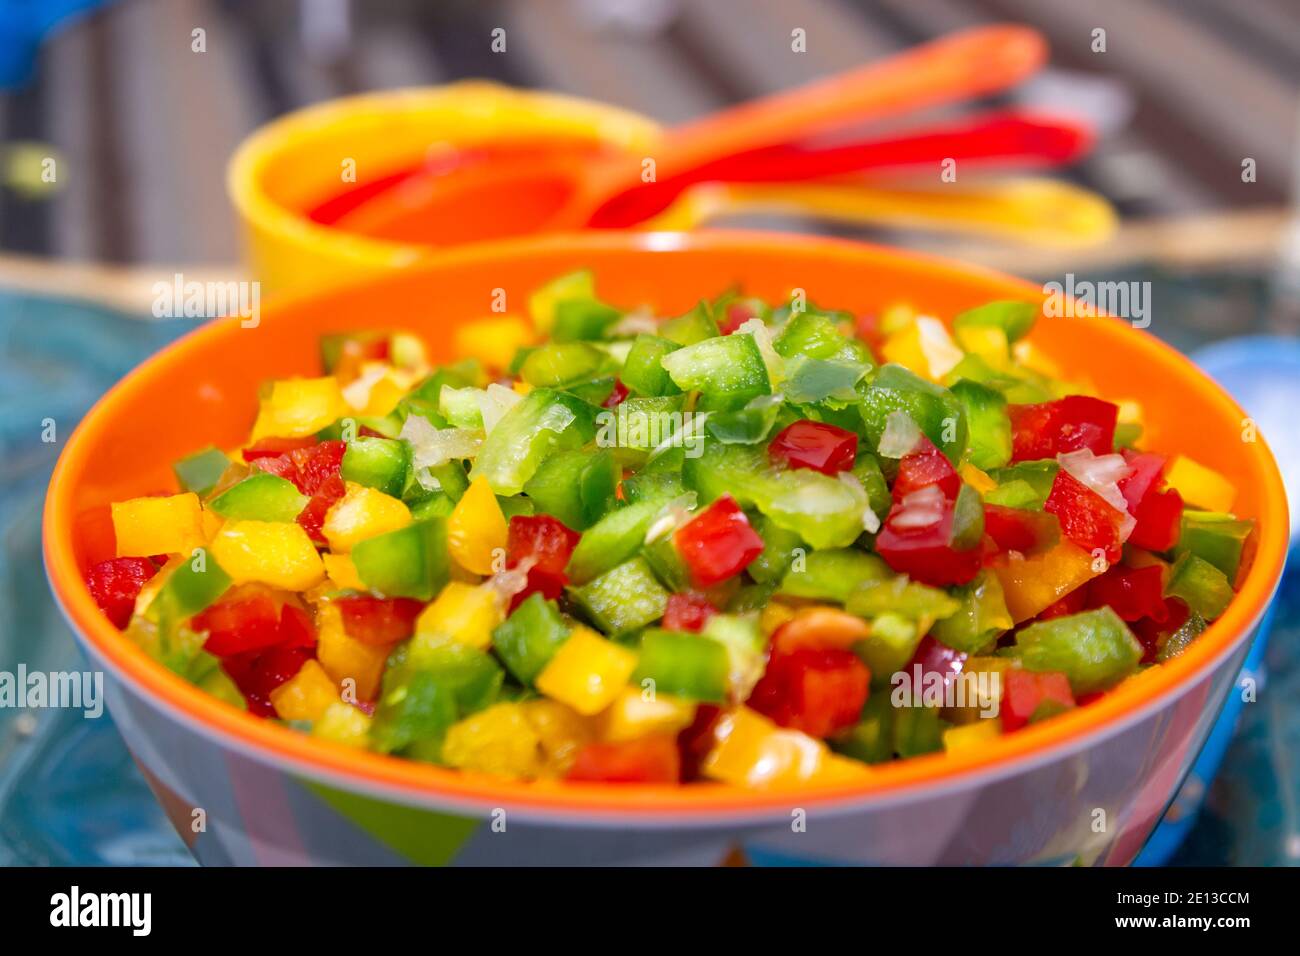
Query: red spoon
x=566 y=192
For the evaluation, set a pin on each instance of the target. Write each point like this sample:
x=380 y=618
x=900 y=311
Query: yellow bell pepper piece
x=1034 y=583
x=1032 y=358
x=633 y=716
x=752 y=751
x=543 y=302
x=383 y=398
x=977 y=479
x=561 y=731
x=462 y=613
x=342 y=572
x=925 y=347
x=972 y=735
x=149 y=526
x=588 y=672
x=773 y=615
x=345 y=658
x=362 y=513
x=306 y=695
x=343 y=724
x=476 y=530
x=298 y=407
x=986 y=341
x=500 y=741
x=272 y=552
x=1199 y=485
x=493 y=341
x=521 y=387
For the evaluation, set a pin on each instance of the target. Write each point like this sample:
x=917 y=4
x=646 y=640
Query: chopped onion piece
x=941 y=354
x=511 y=581
x=772 y=361
x=357 y=392
x=1101 y=474
x=494 y=402
x=919 y=509
x=870 y=520
x=900 y=435
x=675 y=514
x=431 y=447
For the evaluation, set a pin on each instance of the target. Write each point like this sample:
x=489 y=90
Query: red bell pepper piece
x=378 y=621
x=1023 y=692
x=1071 y=603
x=246 y=622
x=923 y=466
x=296 y=628
x=917 y=540
x=312 y=516
x=1158 y=514
x=815 y=445
x=257 y=673
x=1149 y=630
x=1067 y=424
x=1132 y=593
x=934 y=656
x=1020 y=529
x=689 y=611
x=318 y=464
x=648 y=760
x=1158 y=520
x=275 y=447
x=718 y=543
x=116 y=583
x=616 y=397
x=1086 y=517
x=550 y=543
x=816 y=690
x=738 y=313
x=696 y=741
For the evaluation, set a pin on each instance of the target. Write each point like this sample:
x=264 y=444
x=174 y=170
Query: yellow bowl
x=291 y=164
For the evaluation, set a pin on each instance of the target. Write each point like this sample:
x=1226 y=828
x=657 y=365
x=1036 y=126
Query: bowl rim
x=420 y=784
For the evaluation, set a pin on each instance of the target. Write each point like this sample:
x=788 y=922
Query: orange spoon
x=552 y=193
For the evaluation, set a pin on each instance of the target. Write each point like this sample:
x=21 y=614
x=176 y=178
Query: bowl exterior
x=1095 y=806
x=1087 y=786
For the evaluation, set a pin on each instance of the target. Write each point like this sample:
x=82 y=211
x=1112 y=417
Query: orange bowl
x=1030 y=796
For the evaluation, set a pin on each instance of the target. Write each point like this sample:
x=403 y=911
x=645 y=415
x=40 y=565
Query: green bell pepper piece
x=473 y=676
x=895 y=594
x=667 y=564
x=748 y=425
x=1204 y=588
x=1177 y=642
x=460 y=407
x=980 y=618
x=410 y=562
x=824 y=511
x=892 y=644
x=866 y=468
x=779 y=547
x=191 y=587
x=613 y=539
x=1094 y=649
x=936 y=410
x=260 y=497
x=989 y=441
x=967 y=519
x=594 y=392
x=1216 y=538
x=579 y=320
x=834 y=574
x=624 y=599
x=683 y=665
x=727 y=371
x=542 y=422
x=871 y=739
x=412 y=715
x=643 y=371
x=576 y=486
x=558 y=364
x=695 y=326
x=201 y=471
x=1038 y=475
x=380 y=463
x=1013 y=318
x=917 y=731
x=528 y=639
x=817 y=336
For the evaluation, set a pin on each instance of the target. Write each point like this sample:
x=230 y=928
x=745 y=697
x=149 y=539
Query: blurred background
x=141 y=127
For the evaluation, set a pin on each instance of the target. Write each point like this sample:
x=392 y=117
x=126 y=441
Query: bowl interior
x=202 y=390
